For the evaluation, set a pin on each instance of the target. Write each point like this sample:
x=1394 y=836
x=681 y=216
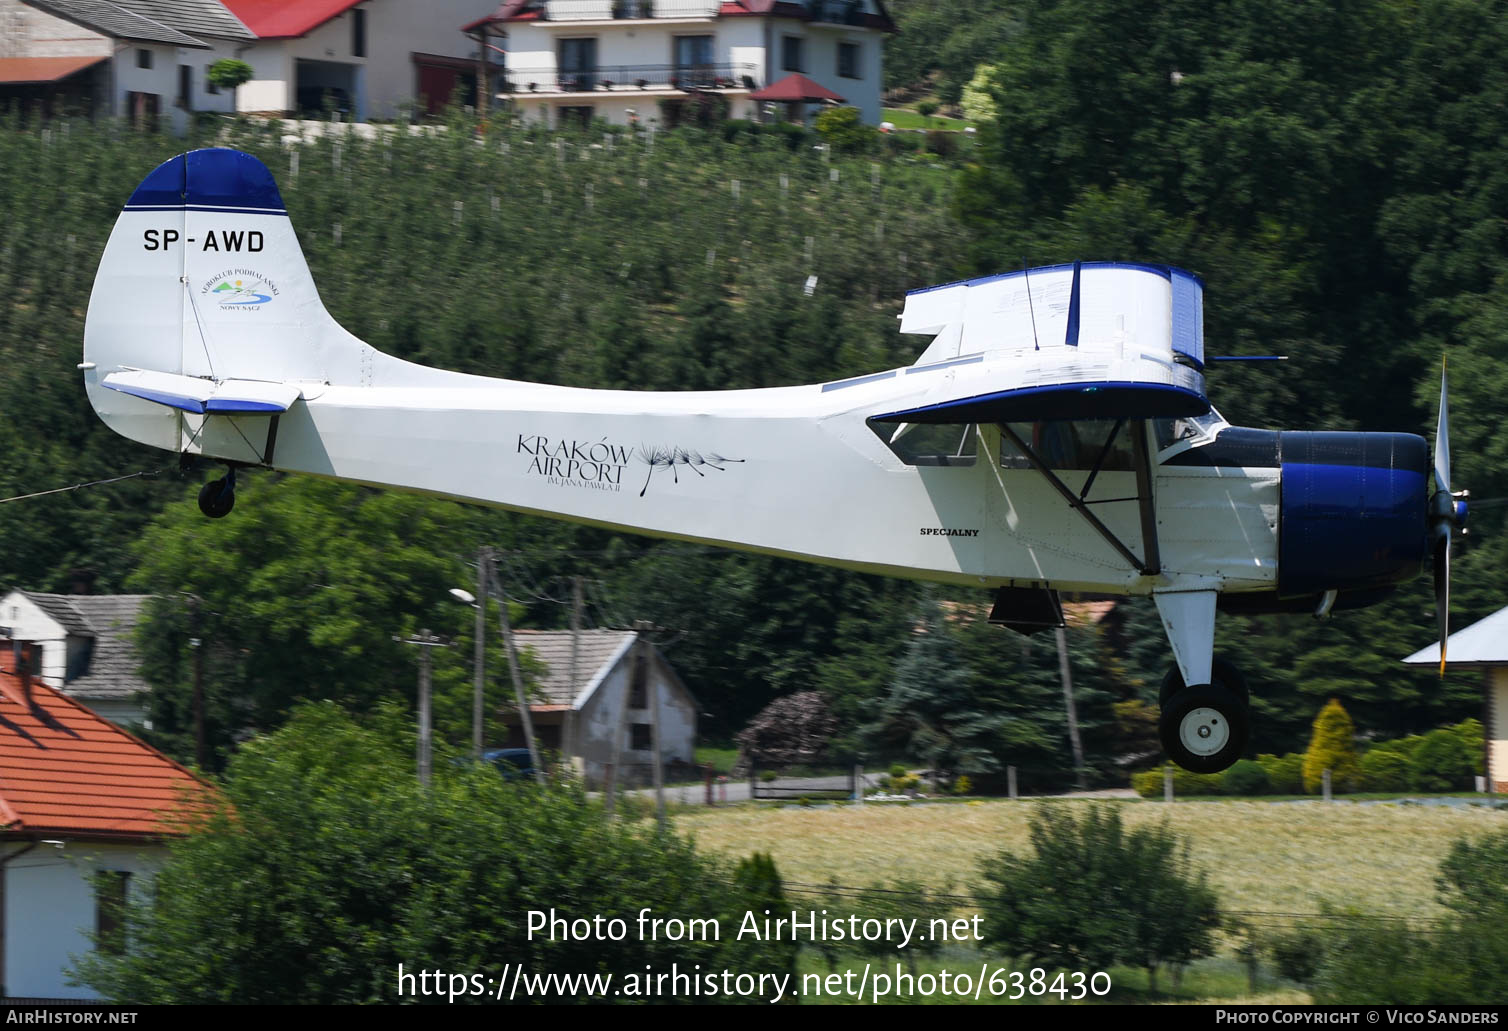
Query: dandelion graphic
x=673 y=458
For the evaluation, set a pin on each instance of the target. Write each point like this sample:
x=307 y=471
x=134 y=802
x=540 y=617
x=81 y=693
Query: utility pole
x=513 y=671
x=1073 y=712
x=568 y=742
x=652 y=689
x=425 y=641
x=196 y=644
x=480 y=656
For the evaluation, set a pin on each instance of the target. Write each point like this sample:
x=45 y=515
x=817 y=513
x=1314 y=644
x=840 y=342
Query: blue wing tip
x=216 y=177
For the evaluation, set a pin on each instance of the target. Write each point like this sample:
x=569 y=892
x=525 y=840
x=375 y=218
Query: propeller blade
x=1442 y=438
x=1442 y=594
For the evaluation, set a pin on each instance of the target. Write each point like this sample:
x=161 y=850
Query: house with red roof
x=369 y=58
x=661 y=62
x=85 y=812
x=147 y=60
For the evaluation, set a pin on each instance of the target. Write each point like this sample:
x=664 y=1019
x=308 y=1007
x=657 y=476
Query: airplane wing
x=1090 y=340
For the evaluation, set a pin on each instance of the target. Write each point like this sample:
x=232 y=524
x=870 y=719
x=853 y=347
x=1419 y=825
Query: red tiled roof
x=15 y=70
x=285 y=19
x=795 y=86
x=65 y=770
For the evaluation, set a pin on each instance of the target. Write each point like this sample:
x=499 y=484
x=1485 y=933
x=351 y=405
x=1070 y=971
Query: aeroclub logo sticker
x=240 y=289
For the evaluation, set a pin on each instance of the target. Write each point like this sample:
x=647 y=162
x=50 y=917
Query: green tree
x=303 y=589
x=230 y=73
x=329 y=866
x=1332 y=746
x=1094 y=894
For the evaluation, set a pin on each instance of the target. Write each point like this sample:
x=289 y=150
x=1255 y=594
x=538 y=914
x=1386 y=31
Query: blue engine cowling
x=1353 y=510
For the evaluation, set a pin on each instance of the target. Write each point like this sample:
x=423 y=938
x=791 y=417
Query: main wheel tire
x=217 y=498
x=1204 y=728
x=1222 y=674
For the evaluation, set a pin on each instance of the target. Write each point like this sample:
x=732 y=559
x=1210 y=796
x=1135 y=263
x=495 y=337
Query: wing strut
x=1080 y=505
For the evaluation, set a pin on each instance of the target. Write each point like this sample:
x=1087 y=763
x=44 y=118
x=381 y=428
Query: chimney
x=28 y=655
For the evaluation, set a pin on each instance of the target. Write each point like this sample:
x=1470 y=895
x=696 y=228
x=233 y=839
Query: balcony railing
x=628 y=77
x=608 y=10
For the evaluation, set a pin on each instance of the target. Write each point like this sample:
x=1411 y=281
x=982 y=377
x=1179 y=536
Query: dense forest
x=1335 y=174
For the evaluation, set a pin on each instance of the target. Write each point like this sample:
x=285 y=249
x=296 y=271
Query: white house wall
x=1497 y=733
x=598 y=722
x=27 y=622
x=28 y=32
x=49 y=910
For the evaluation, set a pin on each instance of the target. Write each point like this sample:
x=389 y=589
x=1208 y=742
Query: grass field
x=905 y=118
x=1261 y=857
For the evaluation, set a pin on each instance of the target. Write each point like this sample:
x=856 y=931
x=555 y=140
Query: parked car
x=512 y=763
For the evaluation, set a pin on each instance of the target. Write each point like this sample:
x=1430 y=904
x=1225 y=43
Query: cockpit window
x=934 y=444
x=1190 y=431
x=1072 y=444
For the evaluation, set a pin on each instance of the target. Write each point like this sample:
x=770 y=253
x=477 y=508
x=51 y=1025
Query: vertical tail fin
x=203 y=277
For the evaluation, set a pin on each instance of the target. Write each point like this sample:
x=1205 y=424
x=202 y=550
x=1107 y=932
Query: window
x=209 y=84
x=577 y=116
x=638 y=696
x=951 y=443
x=185 y=86
x=110 y=887
x=578 y=64
x=848 y=60
x=693 y=59
x=1199 y=428
x=144 y=59
x=358 y=33
x=639 y=738
x=1073 y=444
x=790 y=54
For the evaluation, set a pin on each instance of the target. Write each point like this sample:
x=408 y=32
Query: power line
x=81 y=486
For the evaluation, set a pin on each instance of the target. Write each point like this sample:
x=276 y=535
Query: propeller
x=1446 y=515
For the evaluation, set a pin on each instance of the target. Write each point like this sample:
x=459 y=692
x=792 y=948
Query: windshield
x=1188 y=432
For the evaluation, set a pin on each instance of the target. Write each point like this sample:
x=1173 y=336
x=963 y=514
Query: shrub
x=1298 y=955
x=1442 y=762
x=1385 y=769
x=1382 y=962
x=943 y=144
x=963 y=785
x=1187 y=783
x=844 y=130
x=1095 y=894
x=1285 y=773
x=1244 y=778
x=1331 y=747
x=1470 y=733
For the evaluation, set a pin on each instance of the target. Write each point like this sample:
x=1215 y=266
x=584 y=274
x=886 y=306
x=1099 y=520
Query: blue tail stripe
x=215 y=177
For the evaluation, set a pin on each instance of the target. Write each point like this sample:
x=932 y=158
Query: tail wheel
x=1204 y=728
x=217 y=497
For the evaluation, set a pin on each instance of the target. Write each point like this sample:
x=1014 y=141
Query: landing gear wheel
x=218 y=497
x=1204 y=728
x=1222 y=674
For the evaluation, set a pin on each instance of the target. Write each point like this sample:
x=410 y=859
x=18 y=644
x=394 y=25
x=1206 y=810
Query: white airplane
x=1054 y=436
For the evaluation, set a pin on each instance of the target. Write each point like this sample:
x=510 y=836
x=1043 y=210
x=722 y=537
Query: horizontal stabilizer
x=204 y=396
